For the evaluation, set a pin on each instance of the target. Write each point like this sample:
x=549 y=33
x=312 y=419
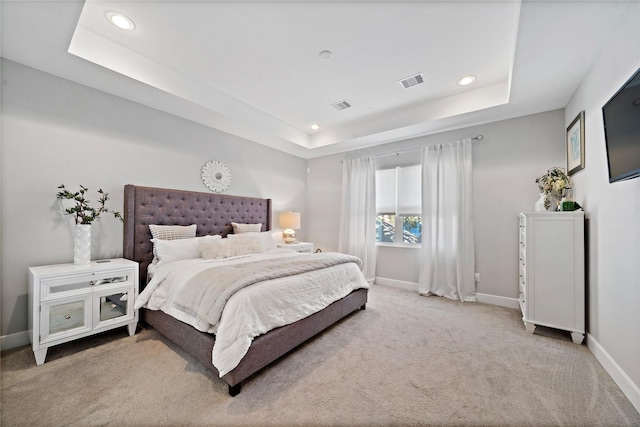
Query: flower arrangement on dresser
x=82 y=211
x=554 y=186
x=84 y=214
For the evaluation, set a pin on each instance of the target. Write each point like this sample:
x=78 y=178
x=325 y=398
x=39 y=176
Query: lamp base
x=289 y=236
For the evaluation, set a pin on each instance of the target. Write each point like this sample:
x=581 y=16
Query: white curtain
x=358 y=215
x=447 y=264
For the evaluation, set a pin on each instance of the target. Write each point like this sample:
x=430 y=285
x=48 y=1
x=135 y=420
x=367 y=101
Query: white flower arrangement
x=554 y=184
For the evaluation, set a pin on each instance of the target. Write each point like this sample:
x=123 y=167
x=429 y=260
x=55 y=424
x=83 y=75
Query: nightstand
x=303 y=247
x=69 y=301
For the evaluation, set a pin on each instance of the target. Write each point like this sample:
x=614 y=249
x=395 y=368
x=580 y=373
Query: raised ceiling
x=255 y=69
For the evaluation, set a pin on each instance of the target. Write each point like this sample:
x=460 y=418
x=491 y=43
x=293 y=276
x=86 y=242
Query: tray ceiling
x=267 y=71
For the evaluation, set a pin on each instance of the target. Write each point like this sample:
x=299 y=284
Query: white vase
x=82 y=244
x=553 y=203
x=539 y=206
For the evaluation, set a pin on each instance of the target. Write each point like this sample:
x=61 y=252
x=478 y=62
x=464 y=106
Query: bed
x=214 y=214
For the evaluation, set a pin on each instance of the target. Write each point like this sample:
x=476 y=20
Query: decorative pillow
x=225 y=248
x=177 y=249
x=239 y=228
x=170 y=232
x=266 y=238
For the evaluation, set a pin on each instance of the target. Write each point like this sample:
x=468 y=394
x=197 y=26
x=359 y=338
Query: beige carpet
x=406 y=360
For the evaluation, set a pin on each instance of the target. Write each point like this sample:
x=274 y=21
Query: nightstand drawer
x=65 y=317
x=74 y=284
x=303 y=247
x=113 y=306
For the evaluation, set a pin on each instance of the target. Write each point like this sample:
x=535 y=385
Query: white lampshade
x=290 y=221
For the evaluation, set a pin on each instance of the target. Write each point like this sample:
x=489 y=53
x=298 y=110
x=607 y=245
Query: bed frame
x=213 y=214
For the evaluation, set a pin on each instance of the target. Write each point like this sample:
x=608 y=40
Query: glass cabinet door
x=65 y=317
x=113 y=306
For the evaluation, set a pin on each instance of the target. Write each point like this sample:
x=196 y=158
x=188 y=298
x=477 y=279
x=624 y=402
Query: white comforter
x=254 y=310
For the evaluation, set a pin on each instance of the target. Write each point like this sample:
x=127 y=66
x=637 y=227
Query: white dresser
x=551 y=270
x=68 y=301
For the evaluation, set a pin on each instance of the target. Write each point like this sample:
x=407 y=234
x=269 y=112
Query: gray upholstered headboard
x=211 y=212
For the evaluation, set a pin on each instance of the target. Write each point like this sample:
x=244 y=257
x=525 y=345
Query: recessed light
x=120 y=21
x=325 y=54
x=466 y=80
x=315 y=126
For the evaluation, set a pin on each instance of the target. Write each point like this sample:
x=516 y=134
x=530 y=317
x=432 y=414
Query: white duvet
x=253 y=310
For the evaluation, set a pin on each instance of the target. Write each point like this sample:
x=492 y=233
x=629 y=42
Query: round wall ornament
x=216 y=176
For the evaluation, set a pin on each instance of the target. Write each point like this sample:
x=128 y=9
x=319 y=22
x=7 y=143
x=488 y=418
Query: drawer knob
x=67 y=316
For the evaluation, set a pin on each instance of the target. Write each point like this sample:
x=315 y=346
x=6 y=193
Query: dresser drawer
x=76 y=284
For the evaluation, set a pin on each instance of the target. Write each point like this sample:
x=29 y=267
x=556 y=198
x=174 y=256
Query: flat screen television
x=621 y=116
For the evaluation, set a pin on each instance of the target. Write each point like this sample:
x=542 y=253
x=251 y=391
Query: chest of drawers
x=551 y=271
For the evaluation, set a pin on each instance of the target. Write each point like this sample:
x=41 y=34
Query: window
x=399 y=205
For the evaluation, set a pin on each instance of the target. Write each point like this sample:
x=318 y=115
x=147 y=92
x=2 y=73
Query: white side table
x=68 y=301
x=303 y=247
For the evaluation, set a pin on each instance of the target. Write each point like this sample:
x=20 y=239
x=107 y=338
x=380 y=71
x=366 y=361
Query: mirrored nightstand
x=69 y=301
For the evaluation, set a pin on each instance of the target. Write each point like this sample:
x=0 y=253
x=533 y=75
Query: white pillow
x=265 y=237
x=239 y=228
x=170 y=232
x=225 y=248
x=177 y=249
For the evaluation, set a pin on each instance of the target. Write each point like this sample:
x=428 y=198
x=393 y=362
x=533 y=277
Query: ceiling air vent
x=341 y=105
x=412 y=81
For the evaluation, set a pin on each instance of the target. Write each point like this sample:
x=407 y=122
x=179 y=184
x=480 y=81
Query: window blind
x=386 y=192
x=409 y=190
x=398 y=191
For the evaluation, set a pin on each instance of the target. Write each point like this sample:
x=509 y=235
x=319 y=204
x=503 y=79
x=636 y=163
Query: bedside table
x=69 y=301
x=303 y=247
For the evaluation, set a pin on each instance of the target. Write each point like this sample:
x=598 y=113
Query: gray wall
x=513 y=153
x=613 y=210
x=55 y=131
x=505 y=165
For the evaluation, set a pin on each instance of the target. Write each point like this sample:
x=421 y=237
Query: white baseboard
x=407 y=286
x=497 y=300
x=628 y=387
x=484 y=298
x=14 y=340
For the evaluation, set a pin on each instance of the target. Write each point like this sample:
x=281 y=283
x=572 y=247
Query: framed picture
x=575 y=144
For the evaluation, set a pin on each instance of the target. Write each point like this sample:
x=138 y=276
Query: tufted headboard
x=211 y=212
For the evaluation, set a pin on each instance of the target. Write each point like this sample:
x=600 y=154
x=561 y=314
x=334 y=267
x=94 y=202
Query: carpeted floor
x=406 y=360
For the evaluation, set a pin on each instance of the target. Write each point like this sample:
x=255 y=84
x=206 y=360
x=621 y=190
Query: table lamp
x=289 y=221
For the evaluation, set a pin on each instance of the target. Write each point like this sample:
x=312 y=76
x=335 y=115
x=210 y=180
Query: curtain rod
x=475 y=138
